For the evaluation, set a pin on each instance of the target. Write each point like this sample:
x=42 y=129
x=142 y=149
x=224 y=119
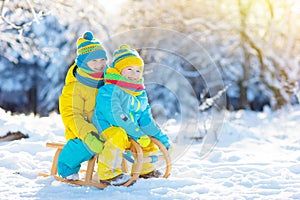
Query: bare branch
x=209 y=102
x=33 y=11
x=27 y=24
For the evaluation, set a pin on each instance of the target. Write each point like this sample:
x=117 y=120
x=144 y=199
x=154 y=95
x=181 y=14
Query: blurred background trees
x=38 y=43
x=255 y=44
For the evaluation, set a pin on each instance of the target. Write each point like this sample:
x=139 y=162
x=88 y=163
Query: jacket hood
x=70 y=75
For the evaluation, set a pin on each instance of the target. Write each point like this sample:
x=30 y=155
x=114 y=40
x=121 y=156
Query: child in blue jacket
x=122 y=110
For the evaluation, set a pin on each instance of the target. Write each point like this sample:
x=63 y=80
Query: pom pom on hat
x=88 y=48
x=124 y=46
x=88 y=35
x=125 y=57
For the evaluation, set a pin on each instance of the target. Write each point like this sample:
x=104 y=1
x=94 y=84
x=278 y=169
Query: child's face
x=97 y=65
x=132 y=73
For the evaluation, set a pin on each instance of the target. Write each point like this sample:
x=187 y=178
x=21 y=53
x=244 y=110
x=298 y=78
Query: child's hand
x=144 y=141
x=163 y=138
x=94 y=142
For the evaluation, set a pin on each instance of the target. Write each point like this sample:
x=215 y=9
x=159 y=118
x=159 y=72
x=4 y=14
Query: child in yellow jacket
x=76 y=106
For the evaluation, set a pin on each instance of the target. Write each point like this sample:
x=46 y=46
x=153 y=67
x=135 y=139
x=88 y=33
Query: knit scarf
x=91 y=79
x=134 y=88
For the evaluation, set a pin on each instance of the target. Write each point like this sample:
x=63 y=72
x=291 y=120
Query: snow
x=257 y=157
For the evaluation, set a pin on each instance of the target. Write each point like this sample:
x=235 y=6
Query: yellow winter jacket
x=76 y=106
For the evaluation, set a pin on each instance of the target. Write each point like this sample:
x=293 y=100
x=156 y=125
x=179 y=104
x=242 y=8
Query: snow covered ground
x=257 y=157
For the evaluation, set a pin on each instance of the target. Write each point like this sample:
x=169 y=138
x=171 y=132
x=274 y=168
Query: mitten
x=144 y=141
x=93 y=141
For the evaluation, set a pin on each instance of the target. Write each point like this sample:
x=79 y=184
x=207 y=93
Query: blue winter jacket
x=115 y=107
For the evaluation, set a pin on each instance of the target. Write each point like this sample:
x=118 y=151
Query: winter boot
x=154 y=174
x=117 y=181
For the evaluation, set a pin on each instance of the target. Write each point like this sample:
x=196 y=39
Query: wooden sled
x=88 y=181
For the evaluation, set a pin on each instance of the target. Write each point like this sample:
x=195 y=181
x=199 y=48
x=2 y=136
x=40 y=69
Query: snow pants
x=72 y=155
x=110 y=159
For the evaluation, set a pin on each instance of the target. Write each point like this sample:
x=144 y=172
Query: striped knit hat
x=125 y=57
x=88 y=48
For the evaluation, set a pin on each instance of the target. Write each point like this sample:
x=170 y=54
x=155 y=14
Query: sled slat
x=138 y=161
x=165 y=152
x=82 y=183
x=149 y=159
x=54 y=163
x=90 y=168
x=57 y=145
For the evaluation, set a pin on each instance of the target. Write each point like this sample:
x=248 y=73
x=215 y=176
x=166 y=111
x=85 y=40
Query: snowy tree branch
x=209 y=102
x=36 y=17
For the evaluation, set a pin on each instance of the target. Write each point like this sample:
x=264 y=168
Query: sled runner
x=133 y=155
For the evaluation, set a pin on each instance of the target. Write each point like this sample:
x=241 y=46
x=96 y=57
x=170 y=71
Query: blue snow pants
x=72 y=155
